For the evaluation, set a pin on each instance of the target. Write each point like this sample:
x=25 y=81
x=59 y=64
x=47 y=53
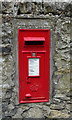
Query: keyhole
x=33 y=54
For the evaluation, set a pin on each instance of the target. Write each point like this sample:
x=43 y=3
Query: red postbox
x=34 y=65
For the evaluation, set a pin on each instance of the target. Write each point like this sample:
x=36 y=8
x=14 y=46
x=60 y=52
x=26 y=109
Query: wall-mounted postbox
x=34 y=65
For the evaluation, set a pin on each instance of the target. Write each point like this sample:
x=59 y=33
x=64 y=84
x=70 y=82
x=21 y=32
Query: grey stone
x=58 y=114
x=66 y=98
x=18 y=114
x=69 y=94
x=7 y=115
x=6 y=86
x=4 y=106
x=11 y=106
x=64 y=82
x=46 y=111
x=6 y=50
x=68 y=107
x=57 y=107
x=56 y=101
x=69 y=102
x=15 y=100
x=60 y=96
x=8 y=94
x=33 y=113
x=13 y=112
x=7 y=7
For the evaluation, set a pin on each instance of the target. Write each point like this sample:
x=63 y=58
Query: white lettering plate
x=33 y=66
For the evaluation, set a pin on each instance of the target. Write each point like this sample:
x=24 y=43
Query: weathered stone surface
x=33 y=113
x=64 y=83
x=11 y=106
x=60 y=106
x=44 y=8
x=8 y=94
x=25 y=8
x=36 y=15
x=56 y=100
x=69 y=94
x=4 y=106
x=46 y=111
x=18 y=114
x=68 y=106
x=7 y=8
x=60 y=96
x=13 y=112
x=58 y=114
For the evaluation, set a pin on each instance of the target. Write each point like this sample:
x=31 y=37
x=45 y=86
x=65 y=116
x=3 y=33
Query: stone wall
x=36 y=15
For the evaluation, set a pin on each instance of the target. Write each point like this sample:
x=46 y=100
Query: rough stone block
x=33 y=113
x=57 y=107
x=58 y=114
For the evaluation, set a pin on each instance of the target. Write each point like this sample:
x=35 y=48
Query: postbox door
x=34 y=78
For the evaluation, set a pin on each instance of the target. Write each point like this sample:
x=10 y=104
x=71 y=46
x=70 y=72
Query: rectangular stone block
x=0 y=18
x=0 y=35
x=22 y=1
x=56 y=1
x=37 y=0
x=5 y=0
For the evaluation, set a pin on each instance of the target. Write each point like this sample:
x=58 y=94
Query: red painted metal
x=34 y=39
x=34 y=88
